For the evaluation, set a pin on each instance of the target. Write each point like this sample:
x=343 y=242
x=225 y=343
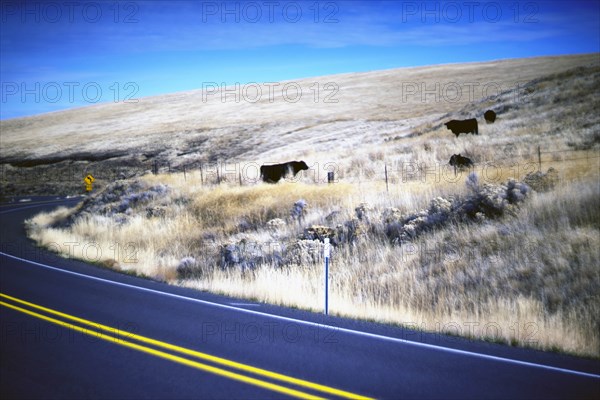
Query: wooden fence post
x=387 y=188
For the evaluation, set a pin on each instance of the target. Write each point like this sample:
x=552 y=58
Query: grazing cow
x=458 y=126
x=458 y=161
x=274 y=172
x=490 y=116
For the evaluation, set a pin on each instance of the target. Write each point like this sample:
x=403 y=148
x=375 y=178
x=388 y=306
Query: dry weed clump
x=540 y=181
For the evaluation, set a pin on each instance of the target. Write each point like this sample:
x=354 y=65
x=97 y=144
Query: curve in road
x=253 y=350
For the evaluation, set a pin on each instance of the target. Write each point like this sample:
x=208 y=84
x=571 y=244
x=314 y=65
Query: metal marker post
x=326 y=253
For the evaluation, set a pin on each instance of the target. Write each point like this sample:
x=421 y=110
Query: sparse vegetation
x=506 y=253
x=365 y=127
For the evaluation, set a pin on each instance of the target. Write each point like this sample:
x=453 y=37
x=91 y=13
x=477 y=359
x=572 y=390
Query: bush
x=187 y=268
x=119 y=200
x=487 y=201
x=542 y=182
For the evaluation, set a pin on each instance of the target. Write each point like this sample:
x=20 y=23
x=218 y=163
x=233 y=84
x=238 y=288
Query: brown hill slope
x=334 y=117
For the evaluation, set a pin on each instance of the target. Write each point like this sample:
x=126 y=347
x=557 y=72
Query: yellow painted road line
x=197 y=354
x=171 y=357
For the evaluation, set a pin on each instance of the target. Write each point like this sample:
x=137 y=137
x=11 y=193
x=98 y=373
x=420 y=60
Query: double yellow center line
x=126 y=339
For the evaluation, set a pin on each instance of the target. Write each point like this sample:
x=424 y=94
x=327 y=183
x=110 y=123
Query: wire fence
x=389 y=172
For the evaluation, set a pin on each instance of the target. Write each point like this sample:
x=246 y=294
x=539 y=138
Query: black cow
x=274 y=172
x=490 y=116
x=458 y=126
x=458 y=161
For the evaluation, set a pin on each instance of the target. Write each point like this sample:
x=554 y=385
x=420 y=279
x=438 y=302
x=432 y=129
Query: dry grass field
x=334 y=119
x=477 y=254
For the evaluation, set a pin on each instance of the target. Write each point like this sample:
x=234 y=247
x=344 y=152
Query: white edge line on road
x=25 y=206
x=315 y=324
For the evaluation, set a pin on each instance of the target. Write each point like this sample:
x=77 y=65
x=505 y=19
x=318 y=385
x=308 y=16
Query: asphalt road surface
x=74 y=330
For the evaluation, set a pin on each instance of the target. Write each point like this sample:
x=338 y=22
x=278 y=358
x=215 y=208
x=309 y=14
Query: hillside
x=506 y=251
x=336 y=118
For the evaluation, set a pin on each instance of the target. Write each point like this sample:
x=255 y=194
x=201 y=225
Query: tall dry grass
x=531 y=279
x=198 y=220
x=528 y=279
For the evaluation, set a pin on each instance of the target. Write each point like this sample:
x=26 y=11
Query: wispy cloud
x=187 y=28
x=182 y=38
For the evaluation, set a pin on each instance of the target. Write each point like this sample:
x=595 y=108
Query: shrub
x=542 y=182
x=187 y=268
x=486 y=201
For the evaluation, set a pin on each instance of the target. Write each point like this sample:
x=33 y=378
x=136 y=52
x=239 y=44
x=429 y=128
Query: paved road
x=73 y=330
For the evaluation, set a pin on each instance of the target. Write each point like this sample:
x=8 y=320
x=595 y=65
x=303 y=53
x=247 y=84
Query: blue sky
x=57 y=55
